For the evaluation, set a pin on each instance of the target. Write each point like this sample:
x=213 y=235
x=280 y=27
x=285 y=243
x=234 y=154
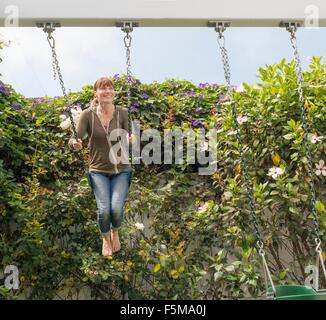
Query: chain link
x=300 y=80
x=292 y=29
x=220 y=28
x=227 y=72
x=49 y=29
x=127 y=29
x=51 y=42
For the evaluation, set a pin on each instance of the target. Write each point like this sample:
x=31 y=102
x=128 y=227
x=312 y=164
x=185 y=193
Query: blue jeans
x=110 y=191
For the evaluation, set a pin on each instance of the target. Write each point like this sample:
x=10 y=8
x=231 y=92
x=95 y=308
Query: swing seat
x=293 y=292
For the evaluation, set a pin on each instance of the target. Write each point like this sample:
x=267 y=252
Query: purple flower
x=196 y=124
x=198 y=109
x=56 y=97
x=204 y=85
x=16 y=106
x=4 y=89
x=222 y=98
x=116 y=76
x=133 y=108
x=201 y=97
x=34 y=103
x=41 y=100
x=173 y=118
x=165 y=94
x=175 y=84
x=145 y=96
x=190 y=93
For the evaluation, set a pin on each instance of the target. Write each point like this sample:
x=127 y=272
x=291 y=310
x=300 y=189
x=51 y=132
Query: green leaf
x=320 y=206
x=230 y=268
x=217 y=275
x=288 y=136
x=157 y=268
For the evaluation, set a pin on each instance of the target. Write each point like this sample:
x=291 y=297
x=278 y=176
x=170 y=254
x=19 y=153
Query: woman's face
x=105 y=94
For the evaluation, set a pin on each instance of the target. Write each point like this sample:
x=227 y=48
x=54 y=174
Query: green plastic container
x=290 y=292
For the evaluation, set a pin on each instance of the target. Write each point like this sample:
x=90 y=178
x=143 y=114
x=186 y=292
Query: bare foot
x=116 y=246
x=107 y=247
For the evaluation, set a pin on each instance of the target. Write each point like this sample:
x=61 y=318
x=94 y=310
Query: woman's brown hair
x=102 y=82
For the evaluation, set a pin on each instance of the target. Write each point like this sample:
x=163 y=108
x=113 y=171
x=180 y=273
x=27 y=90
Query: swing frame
x=162 y=13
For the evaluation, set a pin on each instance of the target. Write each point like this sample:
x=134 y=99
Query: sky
x=86 y=54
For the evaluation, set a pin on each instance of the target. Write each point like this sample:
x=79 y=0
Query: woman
x=110 y=180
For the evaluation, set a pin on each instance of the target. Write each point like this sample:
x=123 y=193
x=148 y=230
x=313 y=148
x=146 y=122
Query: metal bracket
x=48 y=27
x=288 y=24
x=127 y=24
x=219 y=25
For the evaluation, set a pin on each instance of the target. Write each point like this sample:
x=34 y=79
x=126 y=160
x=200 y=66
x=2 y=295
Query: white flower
x=315 y=138
x=204 y=146
x=239 y=88
x=139 y=226
x=203 y=207
x=242 y=119
x=65 y=120
x=275 y=172
x=232 y=132
x=65 y=124
x=321 y=169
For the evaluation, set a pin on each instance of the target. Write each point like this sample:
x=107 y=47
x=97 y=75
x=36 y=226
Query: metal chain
x=49 y=29
x=220 y=28
x=55 y=63
x=227 y=72
x=292 y=29
x=128 y=28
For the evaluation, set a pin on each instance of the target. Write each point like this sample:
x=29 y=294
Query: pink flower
x=232 y=132
x=275 y=172
x=203 y=207
x=315 y=139
x=321 y=169
x=242 y=119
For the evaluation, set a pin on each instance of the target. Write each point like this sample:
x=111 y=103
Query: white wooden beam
x=161 y=13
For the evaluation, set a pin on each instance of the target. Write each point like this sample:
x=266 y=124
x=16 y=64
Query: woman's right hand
x=76 y=144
